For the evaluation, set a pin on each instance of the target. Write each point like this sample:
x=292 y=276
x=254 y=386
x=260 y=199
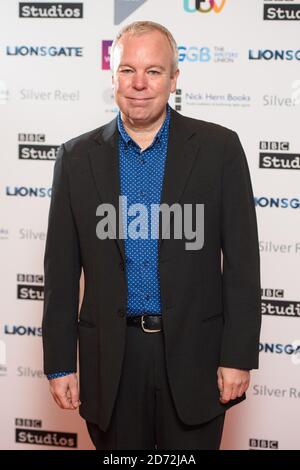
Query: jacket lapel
x=182 y=150
x=104 y=160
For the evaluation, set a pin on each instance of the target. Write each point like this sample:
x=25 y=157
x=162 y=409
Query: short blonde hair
x=142 y=27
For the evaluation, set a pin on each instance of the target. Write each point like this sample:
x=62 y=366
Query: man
x=167 y=334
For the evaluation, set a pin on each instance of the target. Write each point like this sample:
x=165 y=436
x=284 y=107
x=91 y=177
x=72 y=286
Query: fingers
x=232 y=384
x=227 y=393
x=74 y=395
x=63 y=400
x=220 y=382
x=65 y=392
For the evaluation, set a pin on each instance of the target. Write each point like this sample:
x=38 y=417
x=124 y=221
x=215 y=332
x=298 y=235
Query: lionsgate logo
x=275 y=155
x=291 y=350
x=21 y=330
x=51 y=10
x=186 y=217
x=44 y=51
x=30 y=286
x=260 y=444
x=28 y=431
x=281 y=11
x=273 y=305
x=274 y=54
x=25 y=191
x=36 y=151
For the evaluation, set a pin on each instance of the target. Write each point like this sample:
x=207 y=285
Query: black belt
x=148 y=323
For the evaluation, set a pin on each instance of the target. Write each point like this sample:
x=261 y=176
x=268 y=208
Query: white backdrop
x=240 y=68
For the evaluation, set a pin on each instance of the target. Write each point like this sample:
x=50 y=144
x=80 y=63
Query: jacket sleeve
x=62 y=269
x=241 y=262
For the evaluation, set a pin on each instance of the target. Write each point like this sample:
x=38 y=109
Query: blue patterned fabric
x=141 y=178
x=58 y=374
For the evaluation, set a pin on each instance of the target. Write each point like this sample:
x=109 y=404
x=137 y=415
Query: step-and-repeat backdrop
x=239 y=62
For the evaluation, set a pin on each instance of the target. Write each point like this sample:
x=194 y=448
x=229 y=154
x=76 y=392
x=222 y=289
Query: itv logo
x=203 y=6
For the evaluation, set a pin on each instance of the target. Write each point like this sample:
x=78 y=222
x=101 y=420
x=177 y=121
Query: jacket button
x=121 y=264
x=121 y=312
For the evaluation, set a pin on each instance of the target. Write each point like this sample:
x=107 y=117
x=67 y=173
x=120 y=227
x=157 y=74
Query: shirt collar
x=126 y=137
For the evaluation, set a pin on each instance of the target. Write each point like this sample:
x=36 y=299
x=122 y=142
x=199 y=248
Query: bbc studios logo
x=272 y=304
x=29 y=431
x=281 y=10
x=33 y=148
x=263 y=444
x=30 y=287
x=50 y=10
x=275 y=155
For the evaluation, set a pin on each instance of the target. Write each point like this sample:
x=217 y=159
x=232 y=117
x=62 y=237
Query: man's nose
x=139 y=81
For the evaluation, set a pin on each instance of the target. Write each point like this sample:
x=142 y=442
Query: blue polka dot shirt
x=141 y=178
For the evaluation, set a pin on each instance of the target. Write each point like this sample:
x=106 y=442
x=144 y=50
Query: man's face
x=142 y=76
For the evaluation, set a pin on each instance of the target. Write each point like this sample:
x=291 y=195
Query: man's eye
x=125 y=70
x=154 y=72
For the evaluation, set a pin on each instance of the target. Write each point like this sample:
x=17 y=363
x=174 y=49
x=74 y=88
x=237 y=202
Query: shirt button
x=142 y=193
x=146 y=264
x=147 y=296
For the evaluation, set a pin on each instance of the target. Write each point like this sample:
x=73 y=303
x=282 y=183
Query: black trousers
x=144 y=416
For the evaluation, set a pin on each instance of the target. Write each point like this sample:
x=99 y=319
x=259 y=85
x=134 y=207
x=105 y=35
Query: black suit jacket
x=211 y=310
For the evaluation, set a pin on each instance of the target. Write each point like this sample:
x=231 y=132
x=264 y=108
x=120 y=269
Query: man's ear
x=174 y=80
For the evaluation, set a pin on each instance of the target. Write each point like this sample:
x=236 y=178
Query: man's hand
x=65 y=391
x=232 y=383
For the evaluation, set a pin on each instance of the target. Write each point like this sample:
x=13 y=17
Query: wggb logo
x=217 y=54
x=194 y=54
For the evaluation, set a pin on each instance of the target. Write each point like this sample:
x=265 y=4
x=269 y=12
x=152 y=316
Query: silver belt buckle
x=146 y=329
